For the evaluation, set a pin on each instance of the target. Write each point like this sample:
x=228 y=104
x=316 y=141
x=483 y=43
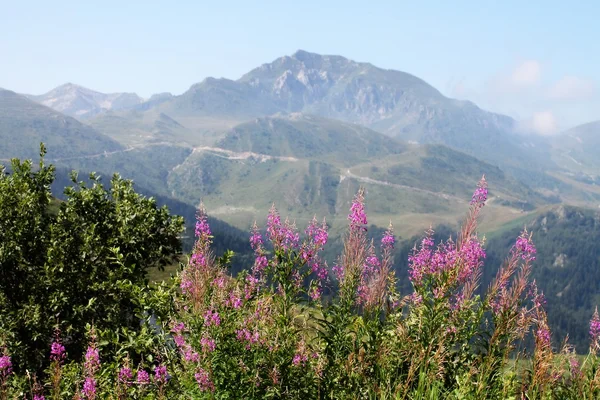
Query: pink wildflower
x=204 y=381
x=160 y=373
x=143 y=377
x=89 y=388
x=480 y=194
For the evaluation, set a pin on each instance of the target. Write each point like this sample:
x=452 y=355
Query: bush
x=83 y=263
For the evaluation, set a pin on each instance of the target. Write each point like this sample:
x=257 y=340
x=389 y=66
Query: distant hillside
x=305 y=136
x=79 y=102
x=577 y=149
x=567 y=268
x=24 y=124
x=133 y=127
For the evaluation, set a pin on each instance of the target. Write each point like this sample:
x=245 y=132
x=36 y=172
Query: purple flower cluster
x=595 y=329
x=299 y=359
x=143 y=377
x=160 y=374
x=525 y=247
x=357 y=216
x=543 y=336
x=211 y=317
x=419 y=259
x=204 y=381
x=5 y=366
x=57 y=351
x=234 y=301
x=427 y=262
x=388 y=240
x=188 y=353
x=481 y=193
x=92 y=360
x=89 y=388
x=257 y=244
x=202 y=230
x=125 y=375
x=246 y=336
x=208 y=344
x=338 y=271
x=284 y=237
x=316 y=239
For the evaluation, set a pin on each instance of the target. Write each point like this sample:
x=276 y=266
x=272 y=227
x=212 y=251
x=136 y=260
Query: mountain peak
x=302 y=55
x=81 y=102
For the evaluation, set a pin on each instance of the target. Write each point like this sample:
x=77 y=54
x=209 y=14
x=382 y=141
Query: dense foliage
x=84 y=264
x=270 y=332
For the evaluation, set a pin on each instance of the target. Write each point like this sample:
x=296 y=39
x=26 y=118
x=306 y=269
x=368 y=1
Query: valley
x=304 y=132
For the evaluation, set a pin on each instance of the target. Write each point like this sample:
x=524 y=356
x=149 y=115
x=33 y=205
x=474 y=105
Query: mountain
x=135 y=127
x=395 y=103
x=577 y=148
x=312 y=165
x=309 y=137
x=79 y=102
x=25 y=123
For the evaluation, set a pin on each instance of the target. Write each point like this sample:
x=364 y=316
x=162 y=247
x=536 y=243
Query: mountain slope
x=577 y=148
x=24 y=124
x=311 y=165
x=567 y=268
x=79 y=102
x=395 y=103
x=309 y=137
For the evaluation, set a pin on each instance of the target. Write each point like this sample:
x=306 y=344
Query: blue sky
x=537 y=61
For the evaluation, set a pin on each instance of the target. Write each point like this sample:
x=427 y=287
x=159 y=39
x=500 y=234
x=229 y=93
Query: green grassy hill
x=24 y=124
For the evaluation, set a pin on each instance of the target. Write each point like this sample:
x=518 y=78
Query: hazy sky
x=538 y=61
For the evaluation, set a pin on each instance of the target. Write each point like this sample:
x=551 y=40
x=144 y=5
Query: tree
x=85 y=263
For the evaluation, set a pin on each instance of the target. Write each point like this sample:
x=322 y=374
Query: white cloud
x=544 y=123
x=527 y=73
x=572 y=88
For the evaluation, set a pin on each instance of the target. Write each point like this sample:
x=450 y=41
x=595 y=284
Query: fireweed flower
x=38 y=397
x=595 y=330
x=125 y=375
x=160 y=373
x=419 y=260
x=203 y=379
x=357 y=216
x=143 y=377
x=480 y=195
x=338 y=271
x=5 y=366
x=208 y=344
x=57 y=351
x=211 y=317
x=202 y=230
x=92 y=360
x=525 y=246
x=471 y=255
x=316 y=238
x=301 y=356
x=89 y=388
x=543 y=336
x=257 y=244
x=388 y=240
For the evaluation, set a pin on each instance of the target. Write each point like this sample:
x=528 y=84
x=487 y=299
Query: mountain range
x=305 y=131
